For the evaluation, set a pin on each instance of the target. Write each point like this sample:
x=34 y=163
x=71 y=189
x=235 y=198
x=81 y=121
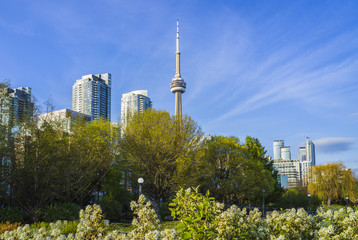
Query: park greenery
x=49 y=171
x=199 y=217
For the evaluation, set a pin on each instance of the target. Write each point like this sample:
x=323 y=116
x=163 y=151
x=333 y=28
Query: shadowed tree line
x=43 y=164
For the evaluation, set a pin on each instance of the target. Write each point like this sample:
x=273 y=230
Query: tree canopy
x=53 y=165
x=332 y=182
x=155 y=143
x=233 y=171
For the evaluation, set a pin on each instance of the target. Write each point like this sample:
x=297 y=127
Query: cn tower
x=177 y=86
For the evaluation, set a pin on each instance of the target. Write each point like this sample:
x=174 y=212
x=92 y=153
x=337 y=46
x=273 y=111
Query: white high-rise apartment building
x=133 y=102
x=307 y=158
x=277 y=145
x=283 y=163
x=91 y=95
x=286 y=153
x=290 y=169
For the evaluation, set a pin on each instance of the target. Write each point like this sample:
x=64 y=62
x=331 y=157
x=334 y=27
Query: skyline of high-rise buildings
x=297 y=171
x=91 y=95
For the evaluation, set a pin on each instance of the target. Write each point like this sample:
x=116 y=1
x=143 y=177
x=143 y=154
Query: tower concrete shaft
x=177 y=86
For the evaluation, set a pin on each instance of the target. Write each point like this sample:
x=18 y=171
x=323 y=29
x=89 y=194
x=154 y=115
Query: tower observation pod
x=177 y=86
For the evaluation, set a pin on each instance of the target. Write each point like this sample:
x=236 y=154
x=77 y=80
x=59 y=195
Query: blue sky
x=268 y=69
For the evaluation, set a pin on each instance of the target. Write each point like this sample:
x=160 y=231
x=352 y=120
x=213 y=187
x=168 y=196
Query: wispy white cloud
x=334 y=144
x=306 y=77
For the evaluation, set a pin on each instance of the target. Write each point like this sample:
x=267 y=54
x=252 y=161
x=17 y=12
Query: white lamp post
x=140 y=181
x=309 y=203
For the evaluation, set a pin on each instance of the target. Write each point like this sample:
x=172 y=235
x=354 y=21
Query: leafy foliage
x=11 y=215
x=332 y=181
x=7 y=226
x=293 y=198
x=196 y=213
x=155 y=144
x=233 y=171
x=53 y=165
x=70 y=228
x=116 y=202
x=233 y=223
x=61 y=211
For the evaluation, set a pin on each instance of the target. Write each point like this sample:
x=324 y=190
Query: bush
x=70 y=227
x=164 y=211
x=61 y=211
x=203 y=219
x=111 y=208
x=38 y=225
x=92 y=223
x=196 y=214
x=293 y=198
x=11 y=215
x=8 y=226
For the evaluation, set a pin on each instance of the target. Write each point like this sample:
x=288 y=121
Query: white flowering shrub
x=237 y=224
x=146 y=220
x=291 y=224
x=204 y=219
x=338 y=224
x=25 y=232
x=92 y=223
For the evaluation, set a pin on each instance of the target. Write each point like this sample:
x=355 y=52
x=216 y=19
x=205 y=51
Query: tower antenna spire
x=177 y=35
x=177 y=86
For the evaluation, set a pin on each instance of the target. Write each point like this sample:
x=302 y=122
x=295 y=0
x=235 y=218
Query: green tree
x=219 y=166
x=54 y=165
x=5 y=145
x=331 y=182
x=92 y=149
x=116 y=202
x=156 y=144
x=233 y=171
x=294 y=198
x=258 y=171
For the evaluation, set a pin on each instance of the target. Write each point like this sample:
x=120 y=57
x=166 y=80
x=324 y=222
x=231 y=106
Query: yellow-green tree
x=331 y=182
x=156 y=144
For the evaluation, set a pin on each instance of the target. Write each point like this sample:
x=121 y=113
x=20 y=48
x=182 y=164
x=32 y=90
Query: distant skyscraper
x=277 y=145
x=20 y=104
x=311 y=152
x=307 y=158
x=177 y=86
x=133 y=102
x=286 y=153
x=91 y=95
x=302 y=154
